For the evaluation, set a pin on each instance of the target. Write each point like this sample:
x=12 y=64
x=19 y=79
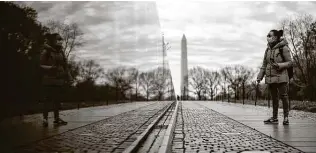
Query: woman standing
x=54 y=77
x=276 y=60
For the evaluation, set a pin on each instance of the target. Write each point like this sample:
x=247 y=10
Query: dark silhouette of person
x=54 y=77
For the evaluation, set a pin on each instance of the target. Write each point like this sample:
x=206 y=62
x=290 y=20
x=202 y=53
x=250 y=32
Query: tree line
x=22 y=40
x=230 y=81
x=120 y=84
x=23 y=36
x=236 y=82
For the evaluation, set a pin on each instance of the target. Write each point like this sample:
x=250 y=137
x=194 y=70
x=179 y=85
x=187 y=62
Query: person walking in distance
x=54 y=77
x=277 y=59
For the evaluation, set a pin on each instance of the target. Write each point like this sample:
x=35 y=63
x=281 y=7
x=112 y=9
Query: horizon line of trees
x=239 y=81
x=22 y=40
x=230 y=81
x=23 y=36
x=123 y=83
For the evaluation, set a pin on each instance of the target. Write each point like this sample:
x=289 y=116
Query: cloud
x=116 y=33
x=222 y=33
x=129 y=33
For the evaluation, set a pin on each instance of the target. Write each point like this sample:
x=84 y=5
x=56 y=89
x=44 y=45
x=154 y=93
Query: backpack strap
x=289 y=70
x=281 y=53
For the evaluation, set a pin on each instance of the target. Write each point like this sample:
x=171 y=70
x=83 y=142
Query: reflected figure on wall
x=54 y=77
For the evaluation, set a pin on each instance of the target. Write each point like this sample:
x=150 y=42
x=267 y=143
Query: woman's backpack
x=290 y=70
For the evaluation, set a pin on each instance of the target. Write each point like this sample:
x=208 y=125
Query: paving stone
x=209 y=131
x=113 y=134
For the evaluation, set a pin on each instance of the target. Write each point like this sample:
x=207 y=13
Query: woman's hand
x=275 y=65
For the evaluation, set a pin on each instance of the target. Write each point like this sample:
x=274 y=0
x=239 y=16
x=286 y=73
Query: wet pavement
x=301 y=133
x=201 y=126
x=18 y=131
x=113 y=134
x=201 y=129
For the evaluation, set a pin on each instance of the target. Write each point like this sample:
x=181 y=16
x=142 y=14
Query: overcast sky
x=129 y=33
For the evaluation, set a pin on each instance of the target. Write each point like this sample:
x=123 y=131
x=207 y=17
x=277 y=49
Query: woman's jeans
x=281 y=90
x=52 y=97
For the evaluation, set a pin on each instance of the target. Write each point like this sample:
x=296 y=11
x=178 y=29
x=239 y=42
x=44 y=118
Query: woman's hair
x=277 y=33
x=52 y=36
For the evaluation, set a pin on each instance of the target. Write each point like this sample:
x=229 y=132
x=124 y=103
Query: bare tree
x=71 y=33
x=122 y=79
x=137 y=82
x=159 y=82
x=146 y=80
x=90 y=70
x=74 y=68
x=246 y=74
x=252 y=87
x=233 y=75
x=133 y=78
x=223 y=81
x=212 y=78
x=300 y=31
x=197 y=80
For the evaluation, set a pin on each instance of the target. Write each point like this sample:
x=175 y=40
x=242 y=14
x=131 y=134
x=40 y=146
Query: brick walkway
x=201 y=126
x=113 y=134
x=16 y=131
x=200 y=129
x=300 y=133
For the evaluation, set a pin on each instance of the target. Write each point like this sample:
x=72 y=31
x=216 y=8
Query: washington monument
x=184 y=69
